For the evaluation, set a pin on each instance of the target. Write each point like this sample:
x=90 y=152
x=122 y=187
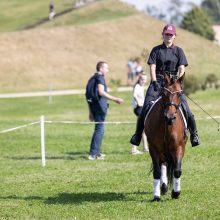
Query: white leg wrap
x=156 y=187
x=176 y=185
x=163 y=174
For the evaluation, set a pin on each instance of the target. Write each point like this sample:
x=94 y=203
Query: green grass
x=71 y=187
x=16 y=14
x=103 y=11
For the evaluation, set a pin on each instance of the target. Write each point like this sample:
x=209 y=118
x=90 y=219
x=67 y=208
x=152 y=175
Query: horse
x=167 y=137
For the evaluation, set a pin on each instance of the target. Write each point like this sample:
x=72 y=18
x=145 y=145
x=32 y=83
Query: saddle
x=183 y=111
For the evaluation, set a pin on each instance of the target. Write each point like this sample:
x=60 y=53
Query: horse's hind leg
x=176 y=180
x=157 y=175
x=164 y=187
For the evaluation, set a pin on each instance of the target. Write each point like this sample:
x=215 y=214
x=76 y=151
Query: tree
x=175 y=13
x=198 y=22
x=212 y=9
x=171 y=11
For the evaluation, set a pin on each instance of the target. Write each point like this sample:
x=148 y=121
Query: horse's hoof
x=156 y=199
x=164 y=189
x=175 y=195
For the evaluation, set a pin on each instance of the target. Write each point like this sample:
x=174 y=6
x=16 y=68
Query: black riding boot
x=194 y=138
x=136 y=138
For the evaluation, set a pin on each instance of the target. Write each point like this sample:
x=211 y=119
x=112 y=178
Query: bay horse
x=167 y=137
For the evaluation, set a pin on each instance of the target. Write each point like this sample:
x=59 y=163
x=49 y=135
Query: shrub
x=211 y=81
x=115 y=83
x=191 y=85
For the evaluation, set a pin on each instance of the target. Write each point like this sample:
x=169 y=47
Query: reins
x=179 y=91
x=204 y=111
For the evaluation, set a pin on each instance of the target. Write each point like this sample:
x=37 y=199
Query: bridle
x=171 y=120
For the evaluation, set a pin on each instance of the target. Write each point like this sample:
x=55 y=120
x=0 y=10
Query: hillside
x=64 y=57
x=16 y=14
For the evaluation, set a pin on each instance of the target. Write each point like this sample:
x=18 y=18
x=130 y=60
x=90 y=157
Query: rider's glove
x=156 y=86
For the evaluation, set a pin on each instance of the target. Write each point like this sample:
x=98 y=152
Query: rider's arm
x=181 y=70
x=153 y=72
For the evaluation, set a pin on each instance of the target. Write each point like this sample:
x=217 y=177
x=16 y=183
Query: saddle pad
x=181 y=112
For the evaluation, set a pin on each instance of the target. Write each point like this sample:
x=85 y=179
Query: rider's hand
x=156 y=86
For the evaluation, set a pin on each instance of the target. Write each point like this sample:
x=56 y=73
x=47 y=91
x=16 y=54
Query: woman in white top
x=137 y=104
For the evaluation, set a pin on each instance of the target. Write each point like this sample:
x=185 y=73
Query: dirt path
x=54 y=93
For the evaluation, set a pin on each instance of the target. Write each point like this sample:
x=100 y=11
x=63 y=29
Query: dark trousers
x=96 y=142
x=137 y=110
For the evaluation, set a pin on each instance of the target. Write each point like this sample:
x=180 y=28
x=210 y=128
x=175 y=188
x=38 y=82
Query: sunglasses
x=169 y=35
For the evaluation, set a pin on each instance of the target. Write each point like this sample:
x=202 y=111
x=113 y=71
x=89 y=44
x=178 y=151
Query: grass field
x=71 y=187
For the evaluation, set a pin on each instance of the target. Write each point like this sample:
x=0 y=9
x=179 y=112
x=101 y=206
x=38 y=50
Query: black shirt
x=167 y=59
x=102 y=100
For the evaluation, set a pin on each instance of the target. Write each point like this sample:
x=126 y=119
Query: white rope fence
x=42 y=133
x=22 y=126
x=42 y=130
x=90 y=122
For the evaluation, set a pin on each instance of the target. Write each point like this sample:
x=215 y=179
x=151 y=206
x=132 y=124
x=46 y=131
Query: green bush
x=191 y=85
x=211 y=81
x=115 y=83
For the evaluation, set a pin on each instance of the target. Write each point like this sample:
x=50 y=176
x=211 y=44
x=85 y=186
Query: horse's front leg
x=164 y=180
x=176 y=180
x=157 y=176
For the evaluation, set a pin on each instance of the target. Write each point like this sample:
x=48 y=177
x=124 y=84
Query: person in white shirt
x=137 y=104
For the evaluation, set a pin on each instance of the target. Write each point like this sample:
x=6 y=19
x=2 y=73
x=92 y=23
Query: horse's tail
x=170 y=168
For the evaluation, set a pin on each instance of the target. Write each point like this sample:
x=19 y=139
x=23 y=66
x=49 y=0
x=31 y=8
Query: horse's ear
x=167 y=78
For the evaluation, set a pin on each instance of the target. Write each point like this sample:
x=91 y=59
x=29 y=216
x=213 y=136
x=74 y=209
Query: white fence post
x=43 y=160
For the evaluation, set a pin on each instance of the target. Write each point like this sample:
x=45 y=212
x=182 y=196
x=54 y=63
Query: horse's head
x=171 y=97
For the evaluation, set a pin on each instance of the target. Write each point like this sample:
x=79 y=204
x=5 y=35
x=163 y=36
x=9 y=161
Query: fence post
x=43 y=160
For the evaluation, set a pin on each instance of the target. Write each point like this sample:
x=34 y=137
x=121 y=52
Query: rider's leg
x=194 y=138
x=150 y=96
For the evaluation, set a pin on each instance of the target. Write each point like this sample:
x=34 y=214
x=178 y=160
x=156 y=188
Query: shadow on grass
x=79 y=198
x=69 y=156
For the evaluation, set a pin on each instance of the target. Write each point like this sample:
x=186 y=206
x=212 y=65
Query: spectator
x=52 y=12
x=79 y=3
x=138 y=68
x=98 y=111
x=131 y=71
x=137 y=104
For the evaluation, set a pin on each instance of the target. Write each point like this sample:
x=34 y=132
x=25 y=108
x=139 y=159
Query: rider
x=165 y=58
